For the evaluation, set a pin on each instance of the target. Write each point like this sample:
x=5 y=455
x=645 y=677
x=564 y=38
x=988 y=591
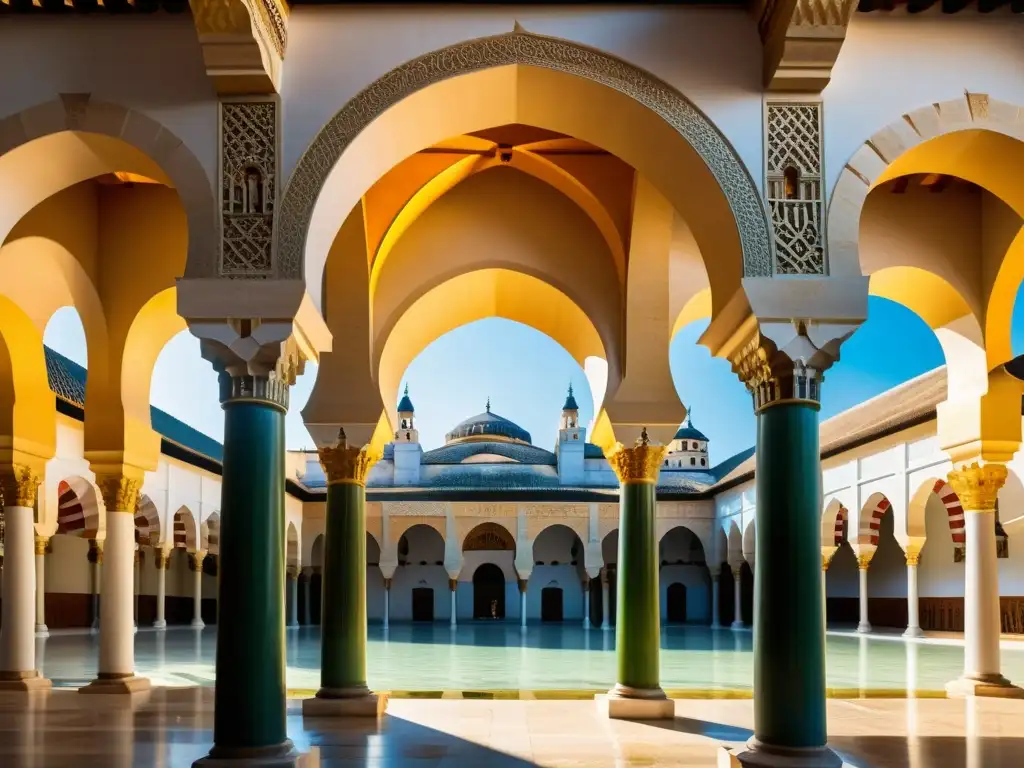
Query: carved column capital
x=95 y=552
x=19 y=485
x=913 y=559
x=453 y=584
x=195 y=560
x=387 y=584
x=162 y=559
x=639 y=463
x=864 y=560
x=42 y=545
x=978 y=485
x=120 y=492
x=343 y=463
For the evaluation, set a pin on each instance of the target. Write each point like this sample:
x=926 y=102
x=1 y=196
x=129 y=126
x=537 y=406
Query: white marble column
x=387 y=603
x=117 y=637
x=162 y=560
x=136 y=566
x=977 y=486
x=523 y=584
x=825 y=560
x=913 y=611
x=41 y=543
x=737 y=597
x=715 y=619
x=586 y=603
x=863 y=561
x=453 y=585
x=606 y=623
x=292 y=582
x=196 y=561
x=17 y=639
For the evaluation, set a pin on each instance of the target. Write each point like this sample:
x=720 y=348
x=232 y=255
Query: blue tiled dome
x=688 y=432
x=405 y=404
x=570 y=402
x=488 y=424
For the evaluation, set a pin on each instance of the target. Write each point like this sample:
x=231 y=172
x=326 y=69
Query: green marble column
x=249 y=715
x=343 y=690
x=343 y=662
x=789 y=641
x=637 y=692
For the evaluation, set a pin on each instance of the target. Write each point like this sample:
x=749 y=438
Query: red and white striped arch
x=77 y=509
x=184 y=530
x=871 y=520
x=954 y=512
x=147 y=523
x=839 y=532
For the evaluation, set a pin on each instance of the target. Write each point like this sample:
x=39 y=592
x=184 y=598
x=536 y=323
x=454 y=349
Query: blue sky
x=525 y=374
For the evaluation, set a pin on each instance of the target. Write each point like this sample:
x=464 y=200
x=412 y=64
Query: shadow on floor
x=930 y=751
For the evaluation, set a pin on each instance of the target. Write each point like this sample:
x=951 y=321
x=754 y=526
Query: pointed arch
x=185 y=530
x=871 y=519
x=78 y=508
x=292 y=547
x=834 y=523
x=211 y=534
x=147 y=522
x=954 y=512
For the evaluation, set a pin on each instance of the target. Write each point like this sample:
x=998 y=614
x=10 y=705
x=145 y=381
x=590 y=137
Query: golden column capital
x=19 y=485
x=638 y=464
x=42 y=544
x=452 y=584
x=978 y=485
x=913 y=558
x=825 y=560
x=387 y=584
x=95 y=552
x=864 y=560
x=195 y=560
x=344 y=464
x=120 y=492
x=162 y=559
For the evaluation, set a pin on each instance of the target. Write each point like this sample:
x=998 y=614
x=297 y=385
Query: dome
x=570 y=402
x=688 y=432
x=405 y=404
x=488 y=426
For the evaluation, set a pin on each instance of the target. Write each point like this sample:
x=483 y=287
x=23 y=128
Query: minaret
x=688 y=450
x=408 y=451
x=572 y=439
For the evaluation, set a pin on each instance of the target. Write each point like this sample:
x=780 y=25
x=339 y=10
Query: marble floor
x=171 y=727
x=546 y=660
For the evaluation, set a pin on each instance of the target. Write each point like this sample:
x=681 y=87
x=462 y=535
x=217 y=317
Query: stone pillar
x=453 y=585
x=95 y=572
x=307 y=586
x=715 y=619
x=162 y=561
x=977 y=486
x=387 y=602
x=585 y=585
x=913 y=612
x=120 y=492
x=18 y=672
x=195 y=562
x=737 y=597
x=343 y=690
x=863 y=563
x=249 y=710
x=637 y=693
x=789 y=644
x=42 y=544
x=523 y=586
x=293 y=599
x=606 y=624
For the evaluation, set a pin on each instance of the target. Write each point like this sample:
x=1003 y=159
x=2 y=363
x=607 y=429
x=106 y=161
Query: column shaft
x=17 y=639
x=981 y=599
x=454 y=585
x=197 y=590
x=637 y=626
x=41 y=629
x=293 y=600
x=117 y=622
x=522 y=603
x=605 y=619
x=387 y=602
x=913 y=612
x=865 y=624
x=161 y=588
x=586 y=604
x=343 y=664
x=789 y=646
x=307 y=586
x=249 y=717
x=737 y=597
x=715 y=623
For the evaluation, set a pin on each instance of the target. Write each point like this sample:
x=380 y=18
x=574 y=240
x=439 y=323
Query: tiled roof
x=591 y=451
x=898 y=408
x=456 y=454
x=67 y=380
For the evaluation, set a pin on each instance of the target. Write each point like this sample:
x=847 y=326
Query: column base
x=197 y=624
x=278 y=756
x=127 y=684
x=737 y=625
x=586 y=623
x=622 y=703
x=914 y=632
x=606 y=627
x=995 y=686
x=296 y=626
x=863 y=628
x=758 y=755
x=159 y=624
x=42 y=630
x=365 y=705
x=24 y=682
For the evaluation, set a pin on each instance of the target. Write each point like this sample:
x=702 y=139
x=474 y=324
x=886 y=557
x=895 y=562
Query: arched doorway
x=551 y=604
x=420 y=576
x=675 y=609
x=488 y=592
x=422 y=604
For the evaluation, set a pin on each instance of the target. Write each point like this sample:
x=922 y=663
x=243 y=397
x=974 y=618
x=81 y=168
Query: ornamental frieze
x=556 y=510
x=415 y=508
x=483 y=509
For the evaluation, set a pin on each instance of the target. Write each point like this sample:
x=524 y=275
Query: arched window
x=792 y=179
x=703 y=462
x=693 y=461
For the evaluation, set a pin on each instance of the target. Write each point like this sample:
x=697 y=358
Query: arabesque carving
x=343 y=463
x=977 y=486
x=489 y=536
x=120 y=492
x=638 y=464
x=521 y=48
x=19 y=486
